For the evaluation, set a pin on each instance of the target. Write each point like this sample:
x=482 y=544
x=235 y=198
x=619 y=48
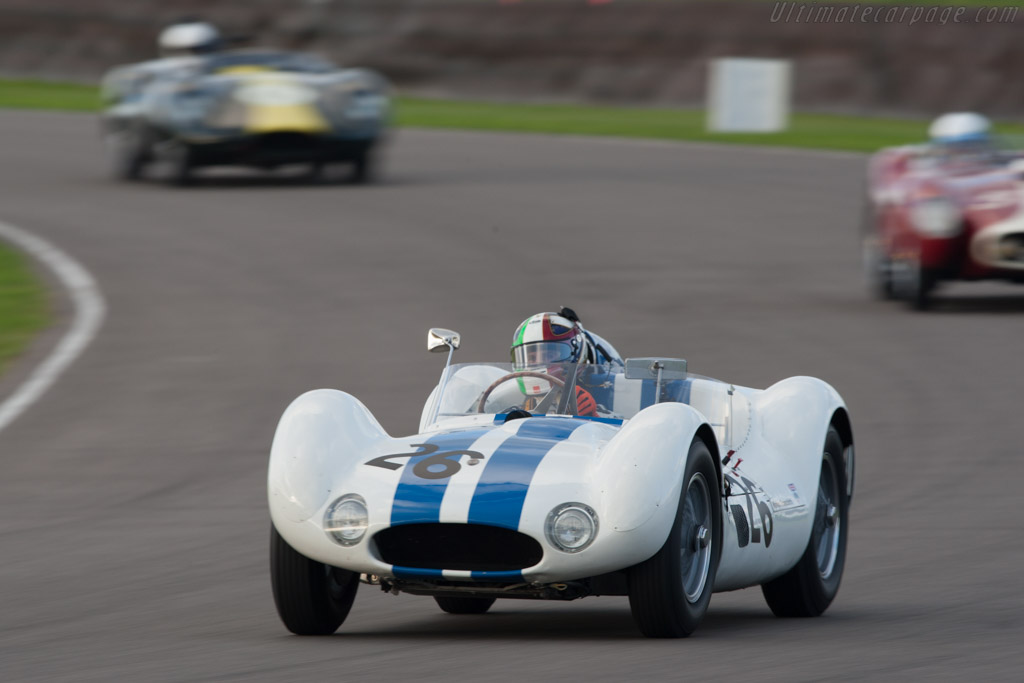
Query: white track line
x=88 y=317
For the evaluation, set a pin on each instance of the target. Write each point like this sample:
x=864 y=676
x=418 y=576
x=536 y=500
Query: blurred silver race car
x=259 y=108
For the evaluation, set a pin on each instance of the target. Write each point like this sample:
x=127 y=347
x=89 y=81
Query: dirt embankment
x=627 y=51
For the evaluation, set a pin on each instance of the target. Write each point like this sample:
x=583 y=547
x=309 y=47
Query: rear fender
x=795 y=415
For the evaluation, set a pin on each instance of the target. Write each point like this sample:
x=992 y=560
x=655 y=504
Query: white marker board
x=748 y=95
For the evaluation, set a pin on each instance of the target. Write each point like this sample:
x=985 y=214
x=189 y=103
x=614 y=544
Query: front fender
x=312 y=438
x=639 y=473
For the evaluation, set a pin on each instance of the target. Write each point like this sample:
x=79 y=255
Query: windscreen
x=237 y=62
x=597 y=391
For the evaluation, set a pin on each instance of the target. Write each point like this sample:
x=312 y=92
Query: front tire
x=312 y=598
x=128 y=152
x=669 y=593
x=878 y=269
x=364 y=168
x=182 y=163
x=464 y=605
x=921 y=282
x=808 y=589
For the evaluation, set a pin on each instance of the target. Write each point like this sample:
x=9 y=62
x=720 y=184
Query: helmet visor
x=541 y=353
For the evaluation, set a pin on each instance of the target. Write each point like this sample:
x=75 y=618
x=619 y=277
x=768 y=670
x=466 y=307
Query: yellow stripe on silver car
x=280 y=105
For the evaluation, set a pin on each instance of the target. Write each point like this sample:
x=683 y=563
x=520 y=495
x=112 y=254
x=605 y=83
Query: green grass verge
x=24 y=309
x=47 y=95
x=819 y=131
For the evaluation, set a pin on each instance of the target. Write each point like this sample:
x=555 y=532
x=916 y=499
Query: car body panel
x=248 y=107
x=479 y=469
x=985 y=192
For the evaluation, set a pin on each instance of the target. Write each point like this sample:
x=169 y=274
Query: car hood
x=482 y=475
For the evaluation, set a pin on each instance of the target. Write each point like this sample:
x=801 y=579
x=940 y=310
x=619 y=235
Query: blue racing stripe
x=682 y=394
x=512 y=576
x=674 y=391
x=648 y=393
x=418 y=500
x=414 y=573
x=501 y=491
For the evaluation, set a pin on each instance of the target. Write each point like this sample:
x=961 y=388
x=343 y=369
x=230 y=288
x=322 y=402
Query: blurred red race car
x=952 y=209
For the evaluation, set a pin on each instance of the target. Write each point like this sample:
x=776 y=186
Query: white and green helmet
x=548 y=338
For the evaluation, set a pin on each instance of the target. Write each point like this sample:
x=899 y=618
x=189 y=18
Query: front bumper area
x=1000 y=247
x=278 y=148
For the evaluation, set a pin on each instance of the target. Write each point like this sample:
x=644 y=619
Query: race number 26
x=746 y=532
x=439 y=465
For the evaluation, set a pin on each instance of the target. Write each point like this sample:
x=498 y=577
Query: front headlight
x=366 y=105
x=571 y=527
x=274 y=93
x=190 y=106
x=346 y=520
x=935 y=217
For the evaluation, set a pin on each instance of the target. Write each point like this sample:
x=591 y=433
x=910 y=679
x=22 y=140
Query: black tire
x=920 y=283
x=312 y=599
x=364 y=166
x=669 y=593
x=877 y=265
x=808 y=589
x=316 y=173
x=129 y=152
x=878 y=270
x=180 y=166
x=464 y=605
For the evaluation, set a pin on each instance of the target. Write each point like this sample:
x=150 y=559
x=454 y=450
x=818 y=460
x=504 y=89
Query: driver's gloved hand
x=585 y=403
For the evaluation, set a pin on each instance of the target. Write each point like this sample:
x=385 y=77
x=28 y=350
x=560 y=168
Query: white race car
x=680 y=487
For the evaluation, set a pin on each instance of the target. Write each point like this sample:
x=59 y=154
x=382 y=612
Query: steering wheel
x=515 y=375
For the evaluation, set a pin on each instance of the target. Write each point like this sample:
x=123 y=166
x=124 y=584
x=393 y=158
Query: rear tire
x=669 y=593
x=312 y=598
x=464 y=605
x=808 y=589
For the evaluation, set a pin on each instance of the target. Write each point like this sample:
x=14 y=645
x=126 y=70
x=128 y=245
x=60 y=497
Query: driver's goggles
x=542 y=353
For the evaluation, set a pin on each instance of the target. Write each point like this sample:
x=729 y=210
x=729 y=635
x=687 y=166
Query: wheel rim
x=827 y=520
x=697 y=537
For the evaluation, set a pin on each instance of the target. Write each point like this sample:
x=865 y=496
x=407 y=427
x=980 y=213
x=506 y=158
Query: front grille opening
x=473 y=547
x=286 y=142
x=1011 y=247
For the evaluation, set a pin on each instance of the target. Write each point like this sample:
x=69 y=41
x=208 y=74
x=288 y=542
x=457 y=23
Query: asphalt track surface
x=133 y=520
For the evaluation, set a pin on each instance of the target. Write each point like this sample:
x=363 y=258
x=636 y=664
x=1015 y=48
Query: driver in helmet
x=544 y=340
x=962 y=136
x=189 y=38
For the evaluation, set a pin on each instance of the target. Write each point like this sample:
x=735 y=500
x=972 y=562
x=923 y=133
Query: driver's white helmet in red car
x=963 y=127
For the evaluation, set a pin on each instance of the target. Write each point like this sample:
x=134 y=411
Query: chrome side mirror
x=440 y=340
